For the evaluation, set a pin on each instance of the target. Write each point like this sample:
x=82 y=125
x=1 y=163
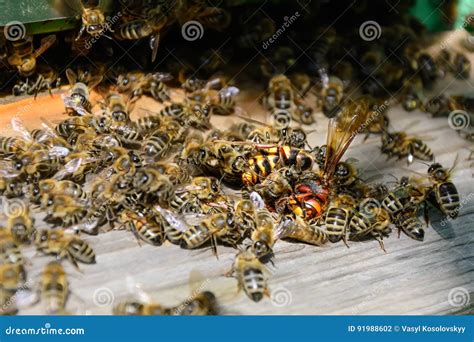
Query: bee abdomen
x=195 y=237
x=81 y=251
x=337 y=220
x=448 y=199
x=254 y=283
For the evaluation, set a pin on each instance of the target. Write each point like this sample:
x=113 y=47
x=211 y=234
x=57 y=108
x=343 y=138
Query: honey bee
x=408 y=222
x=21 y=226
x=137 y=83
x=147 y=228
x=373 y=222
x=117 y=108
x=156 y=186
x=54 y=288
x=250 y=274
x=12 y=276
x=77 y=103
x=24 y=56
x=400 y=145
x=277 y=184
x=93 y=19
x=47 y=78
x=280 y=99
x=461 y=66
x=264 y=235
x=445 y=192
x=338 y=216
x=208 y=230
x=10 y=146
x=63 y=245
x=10 y=253
x=331 y=96
x=412 y=94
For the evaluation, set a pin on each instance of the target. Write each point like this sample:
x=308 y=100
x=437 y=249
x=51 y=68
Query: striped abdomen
x=134 y=30
x=411 y=226
x=81 y=251
x=254 y=283
x=337 y=221
x=195 y=236
x=447 y=197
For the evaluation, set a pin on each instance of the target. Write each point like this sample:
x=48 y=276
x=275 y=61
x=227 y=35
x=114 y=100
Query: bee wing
x=25 y=298
x=7 y=170
x=257 y=200
x=46 y=43
x=136 y=289
x=188 y=188
x=59 y=151
x=341 y=132
x=71 y=76
x=229 y=91
x=71 y=103
x=154 y=44
x=19 y=126
x=173 y=219
x=69 y=168
x=162 y=76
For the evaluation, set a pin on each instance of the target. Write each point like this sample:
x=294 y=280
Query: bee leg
x=344 y=239
x=214 y=246
x=381 y=244
x=266 y=292
x=426 y=214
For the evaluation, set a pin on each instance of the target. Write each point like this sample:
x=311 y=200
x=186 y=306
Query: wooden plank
x=411 y=278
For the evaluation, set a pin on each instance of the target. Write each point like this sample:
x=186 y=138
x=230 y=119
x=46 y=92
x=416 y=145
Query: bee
x=412 y=94
x=264 y=235
x=299 y=230
x=10 y=146
x=63 y=245
x=173 y=225
x=47 y=78
x=408 y=222
x=208 y=230
x=373 y=222
x=244 y=216
x=280 y=99
x=155 y=185
x=202 y=304
x=24 y=56
x=331 y=96
x=12 y=276
x=399 y=198
x=400 y=145
x=445 y=192
x=77 y=103
x=338 y=216
x=303 y=114
x=10 y=253
x=137 y=308
x=136 y=83
x=21 y=226
x=461 y=66
x=147 y=228
x=277 y=184
x=250 y=274
x=346 y=173
x=93 y=19
x=63 y=210
x=54 y=288
x=442 y=105
x=117 y=108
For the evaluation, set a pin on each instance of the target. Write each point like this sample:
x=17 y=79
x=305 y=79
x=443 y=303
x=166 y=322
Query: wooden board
x=411 y=278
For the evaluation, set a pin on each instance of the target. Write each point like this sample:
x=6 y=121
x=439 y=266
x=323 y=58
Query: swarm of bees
x=171 y=176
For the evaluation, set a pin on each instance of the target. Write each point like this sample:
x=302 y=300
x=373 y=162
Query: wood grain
x=411 y=278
